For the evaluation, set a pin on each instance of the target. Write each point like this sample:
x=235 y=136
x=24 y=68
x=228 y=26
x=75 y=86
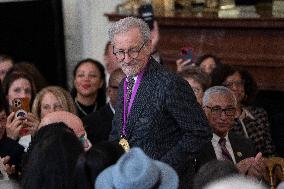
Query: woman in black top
x=89 y=90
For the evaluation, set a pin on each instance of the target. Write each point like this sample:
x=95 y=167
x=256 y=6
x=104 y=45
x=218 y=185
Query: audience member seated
x=31 y=70
x=136 y=170
x=10 y=150
x=98 y=124
x=20 y=85
x=89 y=91
x=219 y=104
x=93 y=162
x=198 y=80
x=72 y=121
x=251 y=122
x=51 y=99
x=208 y=62
x=52 y=158
x=6 y=63
x=212 y=171
x=235 y=182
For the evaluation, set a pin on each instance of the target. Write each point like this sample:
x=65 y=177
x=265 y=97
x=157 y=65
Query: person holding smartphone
x=19 y=86
x=10 y=150
x=185 y=60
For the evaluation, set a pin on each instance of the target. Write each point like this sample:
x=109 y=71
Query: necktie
x=225 y=153
x=130 y=84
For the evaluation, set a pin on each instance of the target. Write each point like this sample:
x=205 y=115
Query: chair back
x=273 y=164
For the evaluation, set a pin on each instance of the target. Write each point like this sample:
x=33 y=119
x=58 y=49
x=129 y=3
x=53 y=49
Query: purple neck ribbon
x=126 y=112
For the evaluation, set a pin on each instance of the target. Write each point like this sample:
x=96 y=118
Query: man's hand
x=244 y=165
x=257 y=168
x=253 y=166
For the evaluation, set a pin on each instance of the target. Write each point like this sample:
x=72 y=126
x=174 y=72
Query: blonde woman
x=51 y=99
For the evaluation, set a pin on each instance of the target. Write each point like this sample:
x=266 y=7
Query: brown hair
x=197 y=75
x=13 y=76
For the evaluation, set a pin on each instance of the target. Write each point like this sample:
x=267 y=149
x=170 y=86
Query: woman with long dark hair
x=89 y=91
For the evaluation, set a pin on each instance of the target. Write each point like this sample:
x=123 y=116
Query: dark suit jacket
x=242 y=147
x=98 y=124
x=277 y=130
x=13 y=149
x=165 y=120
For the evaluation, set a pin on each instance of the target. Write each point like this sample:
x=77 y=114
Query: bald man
x=72 y=121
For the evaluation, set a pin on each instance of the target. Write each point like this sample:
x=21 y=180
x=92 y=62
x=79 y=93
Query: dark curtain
x=33 y=31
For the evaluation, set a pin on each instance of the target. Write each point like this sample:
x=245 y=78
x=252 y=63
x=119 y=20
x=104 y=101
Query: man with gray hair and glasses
x=219 y=104
x=156 y=109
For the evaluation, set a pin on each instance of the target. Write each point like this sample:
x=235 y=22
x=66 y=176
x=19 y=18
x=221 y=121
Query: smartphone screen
x=186 y=53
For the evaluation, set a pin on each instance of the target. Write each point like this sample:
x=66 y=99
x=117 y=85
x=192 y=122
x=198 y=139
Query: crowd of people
x=134 y=124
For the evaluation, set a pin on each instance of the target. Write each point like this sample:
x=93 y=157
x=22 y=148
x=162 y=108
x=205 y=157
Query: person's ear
x=149 y=46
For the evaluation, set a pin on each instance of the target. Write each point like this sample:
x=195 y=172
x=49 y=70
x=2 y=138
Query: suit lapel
x=206 y=154
x=140 y=100
x=211 y=152
x=119 y=107
x=237 y=149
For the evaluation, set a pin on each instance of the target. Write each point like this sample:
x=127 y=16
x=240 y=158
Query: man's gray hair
x=218 y=90
x=236 y=182
x=128 y=23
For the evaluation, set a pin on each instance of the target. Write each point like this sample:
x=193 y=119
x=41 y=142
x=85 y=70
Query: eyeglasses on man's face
x=217 y=111
x=132 y=53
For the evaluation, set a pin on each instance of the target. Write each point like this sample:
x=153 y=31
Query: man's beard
x=133 y=70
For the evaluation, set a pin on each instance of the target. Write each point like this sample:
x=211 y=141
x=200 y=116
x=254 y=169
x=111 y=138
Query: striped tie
x=130 y=84
x=225 y=153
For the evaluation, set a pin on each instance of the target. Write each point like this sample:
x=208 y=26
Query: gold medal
x=124 y=143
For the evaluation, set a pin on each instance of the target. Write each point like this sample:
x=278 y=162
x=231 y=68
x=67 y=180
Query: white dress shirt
x=217 y=147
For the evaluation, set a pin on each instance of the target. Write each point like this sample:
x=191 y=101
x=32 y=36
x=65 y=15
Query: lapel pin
x=239 y=154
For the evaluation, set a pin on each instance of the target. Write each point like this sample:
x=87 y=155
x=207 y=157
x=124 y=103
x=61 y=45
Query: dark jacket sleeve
x=13 y=149
x=190 y=118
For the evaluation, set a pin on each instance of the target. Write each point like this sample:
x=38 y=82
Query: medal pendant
x=124 y=143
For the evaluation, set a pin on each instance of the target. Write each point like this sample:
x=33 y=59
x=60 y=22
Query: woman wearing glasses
x=251 y=121
x=198 y=80
x=89 y=90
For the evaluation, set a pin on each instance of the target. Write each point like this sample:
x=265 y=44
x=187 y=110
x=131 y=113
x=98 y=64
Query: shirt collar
x=111 y=107
x=216 y=138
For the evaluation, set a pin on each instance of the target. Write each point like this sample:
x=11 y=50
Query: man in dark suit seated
x=98 y=124
x=156 y=109
x=219 y=104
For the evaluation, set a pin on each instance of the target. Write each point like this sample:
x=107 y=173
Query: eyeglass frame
x=215 y=112
x=127 y=52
